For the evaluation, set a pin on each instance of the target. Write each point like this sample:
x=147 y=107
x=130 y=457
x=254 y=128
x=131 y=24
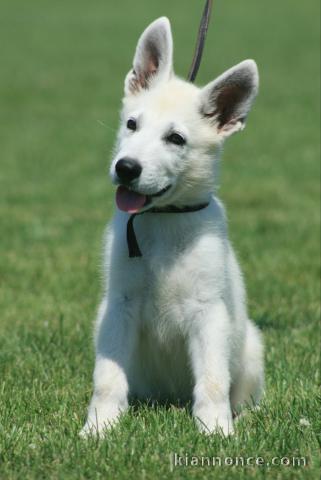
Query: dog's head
x=171 y=130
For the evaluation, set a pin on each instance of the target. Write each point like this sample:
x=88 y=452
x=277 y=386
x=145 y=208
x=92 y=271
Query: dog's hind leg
x=114 y=346
x=247 y=387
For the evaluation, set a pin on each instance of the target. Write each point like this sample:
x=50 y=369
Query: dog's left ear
x=227 y=100
x=153 y=60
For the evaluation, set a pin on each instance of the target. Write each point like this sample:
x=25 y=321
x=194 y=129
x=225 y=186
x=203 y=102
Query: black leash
x=133 y=247
x=200 y=43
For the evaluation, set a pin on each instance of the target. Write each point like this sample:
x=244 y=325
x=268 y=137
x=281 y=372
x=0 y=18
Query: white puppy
x=173 y=323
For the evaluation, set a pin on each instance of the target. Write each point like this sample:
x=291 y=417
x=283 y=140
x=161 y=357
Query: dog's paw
x=100 y=420
x=89 y=430
x=93 y=430
x=209 y=422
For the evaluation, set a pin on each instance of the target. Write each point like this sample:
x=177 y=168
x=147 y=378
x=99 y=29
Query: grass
x=62 y=69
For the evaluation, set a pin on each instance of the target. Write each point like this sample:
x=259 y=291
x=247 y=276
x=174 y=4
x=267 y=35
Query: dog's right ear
x=153 y=60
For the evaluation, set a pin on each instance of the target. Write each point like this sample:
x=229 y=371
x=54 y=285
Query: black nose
x=128 y=169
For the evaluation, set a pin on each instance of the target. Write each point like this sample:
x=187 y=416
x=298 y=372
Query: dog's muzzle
x=130 y=201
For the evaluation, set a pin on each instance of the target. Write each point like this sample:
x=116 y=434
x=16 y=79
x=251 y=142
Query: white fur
x=173 y=324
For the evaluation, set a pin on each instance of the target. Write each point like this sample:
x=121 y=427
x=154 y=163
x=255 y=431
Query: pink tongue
x=129 y=201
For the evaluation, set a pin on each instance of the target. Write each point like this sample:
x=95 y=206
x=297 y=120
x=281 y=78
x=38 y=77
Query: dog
x=173 y=324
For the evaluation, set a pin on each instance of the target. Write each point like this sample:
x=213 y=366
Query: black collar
x=133 y=247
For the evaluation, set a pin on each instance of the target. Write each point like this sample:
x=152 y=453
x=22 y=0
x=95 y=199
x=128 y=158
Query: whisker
x=103 y=124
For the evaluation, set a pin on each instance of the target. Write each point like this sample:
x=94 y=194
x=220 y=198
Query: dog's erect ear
x=153 y=59
x=227 y=100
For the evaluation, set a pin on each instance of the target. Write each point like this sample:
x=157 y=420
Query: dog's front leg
x=209 y=351
x=114 y=345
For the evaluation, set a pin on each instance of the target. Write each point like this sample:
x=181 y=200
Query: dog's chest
x=178 y=273
x=163 y=307
x=163 y=289
x=174 y=288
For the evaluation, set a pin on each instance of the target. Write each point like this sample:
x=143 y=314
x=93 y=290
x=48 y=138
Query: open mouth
x=130 y=201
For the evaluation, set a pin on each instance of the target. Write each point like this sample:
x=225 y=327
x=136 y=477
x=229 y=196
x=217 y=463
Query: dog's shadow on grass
x=136 y=404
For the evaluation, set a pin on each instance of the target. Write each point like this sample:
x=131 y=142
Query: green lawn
x=61 y=77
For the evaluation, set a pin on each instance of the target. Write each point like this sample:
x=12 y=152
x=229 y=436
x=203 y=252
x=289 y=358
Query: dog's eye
x=176 y=139
x=132 y=124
